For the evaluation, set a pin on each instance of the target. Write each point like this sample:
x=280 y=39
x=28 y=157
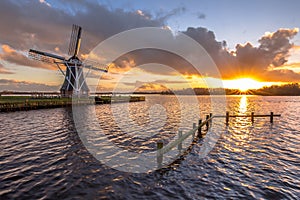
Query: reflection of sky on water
x=243 y=104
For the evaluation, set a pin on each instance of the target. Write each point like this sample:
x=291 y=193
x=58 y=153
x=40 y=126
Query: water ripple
x=42 y=157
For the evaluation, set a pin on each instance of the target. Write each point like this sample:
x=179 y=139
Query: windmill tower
x=74 y=83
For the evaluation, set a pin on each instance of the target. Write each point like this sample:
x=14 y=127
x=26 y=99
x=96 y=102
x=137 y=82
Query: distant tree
x=291 y=89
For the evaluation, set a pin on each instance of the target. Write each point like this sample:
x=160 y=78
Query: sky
x=255 y=39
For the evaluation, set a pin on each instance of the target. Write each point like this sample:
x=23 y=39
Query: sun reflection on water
x=240 y=131
x=243 y=104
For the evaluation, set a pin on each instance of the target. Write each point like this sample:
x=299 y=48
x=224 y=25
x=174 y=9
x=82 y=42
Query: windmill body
x=74 y=83
x=75 y=79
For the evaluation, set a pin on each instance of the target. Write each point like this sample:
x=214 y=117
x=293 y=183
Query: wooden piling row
x=199 y=128
x=271 y=117
x=194 y=126
x=180 y=143
x=160 y=156
x=227 y=118
x=207 y=122
x=252 y=116
x=181 y=137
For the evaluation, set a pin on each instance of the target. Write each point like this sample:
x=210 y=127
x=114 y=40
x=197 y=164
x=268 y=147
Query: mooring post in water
x=180 y=143
x=271 y=117
x=252 y=117
x=227 y=118
x=207 y=122
x=194 y=126
x=199 y=128
x=210 y=116
x=159 y=146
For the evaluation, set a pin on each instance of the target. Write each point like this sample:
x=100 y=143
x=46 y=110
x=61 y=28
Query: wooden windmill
x=74 y=83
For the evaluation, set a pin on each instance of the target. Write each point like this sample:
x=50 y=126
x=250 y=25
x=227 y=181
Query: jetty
x=118 y=99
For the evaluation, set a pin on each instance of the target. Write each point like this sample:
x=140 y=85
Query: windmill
x=74 y=83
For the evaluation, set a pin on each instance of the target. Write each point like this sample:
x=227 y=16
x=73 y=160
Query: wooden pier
x=118 y=99
x=161 y=149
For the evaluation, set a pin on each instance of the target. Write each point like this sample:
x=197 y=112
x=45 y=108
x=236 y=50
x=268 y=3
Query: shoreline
x=25 y=103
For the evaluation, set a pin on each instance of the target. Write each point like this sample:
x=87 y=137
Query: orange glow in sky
x=244 y=84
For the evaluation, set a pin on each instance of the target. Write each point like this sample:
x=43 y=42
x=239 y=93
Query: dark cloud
x=15 y=85
x=34 y=24
x=163 y=16
x=246 y=61
x=31 y=24
x=258 y=62
x=203 y=36
x=144 y=56
x=276 y=46
x=262 y=61
x=201 y=15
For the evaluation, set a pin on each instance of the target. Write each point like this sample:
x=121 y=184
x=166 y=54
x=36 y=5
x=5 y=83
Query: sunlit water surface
x=42 y=157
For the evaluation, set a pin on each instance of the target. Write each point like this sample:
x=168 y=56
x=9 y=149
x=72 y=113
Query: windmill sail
x=94 y=65
x=75 y=40
x=44 y=57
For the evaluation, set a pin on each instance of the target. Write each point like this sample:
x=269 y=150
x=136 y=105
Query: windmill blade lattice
x=44 y=57
x=94 y=65
x=75 y=40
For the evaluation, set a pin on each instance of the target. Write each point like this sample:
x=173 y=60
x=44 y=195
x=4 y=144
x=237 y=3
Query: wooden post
x=207 y=122
x=227 y=118
x=159 y=159
x=179 y=144
x=210 y=116
x=194 y=126
x=252 y=117
x=271 y=117
x=199 y=128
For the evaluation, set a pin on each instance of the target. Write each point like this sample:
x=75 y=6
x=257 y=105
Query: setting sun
x=243 y=84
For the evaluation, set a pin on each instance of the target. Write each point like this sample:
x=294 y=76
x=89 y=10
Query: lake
x=42 y=155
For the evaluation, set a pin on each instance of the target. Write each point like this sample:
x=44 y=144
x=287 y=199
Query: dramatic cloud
x=38 y=25
x=15 y=85
x=276 y=45
x=263 y=62
x=144 y=56
x=15 y=57
x=258 y=62
x=48 y=28
x=42 y=26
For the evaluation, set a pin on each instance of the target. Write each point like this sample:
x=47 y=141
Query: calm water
x=42 y=157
